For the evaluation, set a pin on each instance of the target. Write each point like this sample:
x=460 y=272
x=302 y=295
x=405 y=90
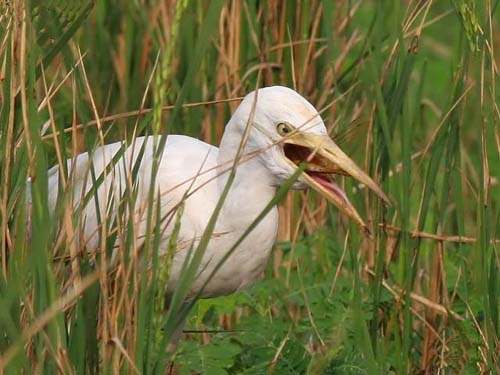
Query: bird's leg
x=176 y=335
x=171 y=368
x=174 y=340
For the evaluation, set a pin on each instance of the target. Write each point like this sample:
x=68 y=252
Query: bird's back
x=186 y=168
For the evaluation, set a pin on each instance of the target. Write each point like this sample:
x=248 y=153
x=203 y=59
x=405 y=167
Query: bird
x=272 y=133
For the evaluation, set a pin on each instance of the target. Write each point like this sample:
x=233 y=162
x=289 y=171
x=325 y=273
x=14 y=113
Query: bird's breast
x=244 y=265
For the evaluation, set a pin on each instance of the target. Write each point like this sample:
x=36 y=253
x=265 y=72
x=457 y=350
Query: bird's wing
x=99 y=184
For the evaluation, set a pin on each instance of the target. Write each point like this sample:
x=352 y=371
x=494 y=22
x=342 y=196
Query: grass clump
x=410 y=91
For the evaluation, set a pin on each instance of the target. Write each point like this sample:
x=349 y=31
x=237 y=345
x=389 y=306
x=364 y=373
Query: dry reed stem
x=5 y=233
x=435 y=295
x=281 y=346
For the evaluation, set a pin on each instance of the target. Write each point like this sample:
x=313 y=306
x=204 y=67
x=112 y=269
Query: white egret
x=284 y=129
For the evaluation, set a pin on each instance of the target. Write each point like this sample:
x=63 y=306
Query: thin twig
x=398 y=294
x=432 y=236
x=139 y=112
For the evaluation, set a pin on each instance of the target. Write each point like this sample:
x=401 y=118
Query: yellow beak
x=323 y=159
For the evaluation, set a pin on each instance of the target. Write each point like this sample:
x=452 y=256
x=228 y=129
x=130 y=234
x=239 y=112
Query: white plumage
x=284 y=129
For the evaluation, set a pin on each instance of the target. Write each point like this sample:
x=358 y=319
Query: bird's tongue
x=328 y=184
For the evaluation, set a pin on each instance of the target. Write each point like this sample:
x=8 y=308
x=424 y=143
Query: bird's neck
x=253 y=185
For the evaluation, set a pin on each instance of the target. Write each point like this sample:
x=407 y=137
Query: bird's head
x=285 y=131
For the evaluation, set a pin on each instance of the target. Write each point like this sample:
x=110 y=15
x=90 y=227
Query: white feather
x=187 y=163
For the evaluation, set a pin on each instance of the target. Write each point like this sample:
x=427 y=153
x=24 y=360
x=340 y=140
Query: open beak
x=324 y=159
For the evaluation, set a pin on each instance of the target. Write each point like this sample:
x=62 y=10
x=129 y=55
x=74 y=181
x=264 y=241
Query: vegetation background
x=409 y=89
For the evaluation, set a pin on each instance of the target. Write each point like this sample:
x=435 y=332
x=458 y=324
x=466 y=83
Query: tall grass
x=409 y=90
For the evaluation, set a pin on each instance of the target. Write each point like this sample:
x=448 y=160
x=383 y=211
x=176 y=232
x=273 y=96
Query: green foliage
x=415 y=94
x=214 y=359
x=470 y=22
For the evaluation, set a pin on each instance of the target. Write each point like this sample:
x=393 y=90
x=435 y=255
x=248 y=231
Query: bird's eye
x=283 y=128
